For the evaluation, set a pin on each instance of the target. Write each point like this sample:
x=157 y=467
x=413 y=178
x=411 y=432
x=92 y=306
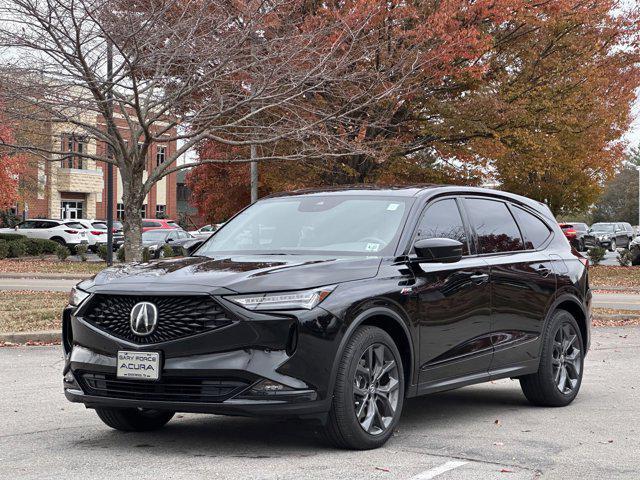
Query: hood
x=241 y=274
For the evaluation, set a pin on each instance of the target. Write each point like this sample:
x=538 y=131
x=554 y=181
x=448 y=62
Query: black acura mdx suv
x=336 y=305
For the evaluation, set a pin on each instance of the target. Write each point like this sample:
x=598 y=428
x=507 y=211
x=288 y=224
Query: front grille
x=178 y=316
x=167 y=389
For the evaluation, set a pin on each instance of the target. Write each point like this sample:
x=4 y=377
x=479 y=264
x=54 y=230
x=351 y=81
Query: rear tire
x=369 y=392
x=134 y=419
x=59 y=241
x=559 y=376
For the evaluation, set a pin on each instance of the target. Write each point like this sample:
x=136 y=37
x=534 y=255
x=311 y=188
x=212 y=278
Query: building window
x=161 y=154
x=161 y=211
x=73 y=146
x=120 y=211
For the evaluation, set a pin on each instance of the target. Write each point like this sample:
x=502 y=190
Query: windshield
x=154 y=235
x=330 y=224
x=602 y=227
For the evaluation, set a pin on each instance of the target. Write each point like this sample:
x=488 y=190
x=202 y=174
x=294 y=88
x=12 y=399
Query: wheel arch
x=58 y=239
x=393 y=324
x=573 y=305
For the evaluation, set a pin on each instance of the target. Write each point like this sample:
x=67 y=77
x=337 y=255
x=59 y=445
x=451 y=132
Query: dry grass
x=37 y=265
x=614 y=276
x=30 y=311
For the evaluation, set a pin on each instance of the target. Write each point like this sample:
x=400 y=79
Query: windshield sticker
x=372 y=247
x=392 y=207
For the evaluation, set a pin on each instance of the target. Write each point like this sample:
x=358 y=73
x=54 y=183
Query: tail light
x=97 y=232
x=570 y=232
x=71 y=232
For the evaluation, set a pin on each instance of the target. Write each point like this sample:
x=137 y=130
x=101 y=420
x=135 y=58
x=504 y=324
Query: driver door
x=454 y=305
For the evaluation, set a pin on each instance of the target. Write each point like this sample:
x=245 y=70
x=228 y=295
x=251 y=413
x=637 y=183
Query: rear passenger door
x=523 y=282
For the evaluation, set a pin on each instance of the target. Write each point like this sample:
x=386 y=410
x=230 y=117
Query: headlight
x=302 y=299
x=77 y=296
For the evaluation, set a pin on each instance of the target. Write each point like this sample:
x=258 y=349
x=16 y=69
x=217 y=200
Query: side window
x=535 y=231
x=443 y=220
x=27 y=224
x=495 y=227
x=44 y=224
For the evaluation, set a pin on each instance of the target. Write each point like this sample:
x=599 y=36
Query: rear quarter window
x=534 y=230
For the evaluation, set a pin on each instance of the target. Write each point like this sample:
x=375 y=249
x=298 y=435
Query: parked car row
x=609 y=235
x=156 y=234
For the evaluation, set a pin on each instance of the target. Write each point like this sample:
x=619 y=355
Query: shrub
x=11 y=236
x=625 y=257
x=62 y=252
x=596 y=255
x=146 y=255
x=167 y=251
x=48 y=246
x=17 y=248
x=120 y=254
x=4 y=250
x=82 y=251
x=33 y=246
x=102 y=252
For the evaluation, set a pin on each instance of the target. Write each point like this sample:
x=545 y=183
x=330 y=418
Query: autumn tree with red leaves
x=535 y=97
x=10 y=167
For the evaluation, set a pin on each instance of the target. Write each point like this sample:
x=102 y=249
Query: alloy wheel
x=375 y=389
x=567 y=358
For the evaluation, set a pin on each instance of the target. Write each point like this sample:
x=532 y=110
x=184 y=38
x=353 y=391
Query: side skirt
x=509 y=371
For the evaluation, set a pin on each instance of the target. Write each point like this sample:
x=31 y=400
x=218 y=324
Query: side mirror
x=438 y=250
x=169 y=240
x=16 y=228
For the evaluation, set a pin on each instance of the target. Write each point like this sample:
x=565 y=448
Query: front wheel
x=369 y=391
x=134 y=419
x=613 y=246
x=559 y=375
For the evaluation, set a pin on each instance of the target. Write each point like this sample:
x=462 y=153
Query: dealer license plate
x=138 y=365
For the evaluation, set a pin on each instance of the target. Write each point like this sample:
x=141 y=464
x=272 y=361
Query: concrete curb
x=617 y=289
x=43 y=276
x=49 y=336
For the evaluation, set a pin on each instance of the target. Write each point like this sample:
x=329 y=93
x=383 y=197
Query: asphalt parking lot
x=482 y=432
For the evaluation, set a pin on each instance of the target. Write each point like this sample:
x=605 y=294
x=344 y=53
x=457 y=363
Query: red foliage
x=10 y=167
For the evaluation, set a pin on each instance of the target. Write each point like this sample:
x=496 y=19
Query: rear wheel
x=59 y=241
x=369 y=391
x=134 y=419
x=559 y=376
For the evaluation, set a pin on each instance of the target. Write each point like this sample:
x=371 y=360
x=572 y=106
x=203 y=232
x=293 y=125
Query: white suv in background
x=96 y=232
x=66 y=232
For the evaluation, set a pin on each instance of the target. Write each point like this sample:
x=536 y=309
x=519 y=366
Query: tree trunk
x=133 y=199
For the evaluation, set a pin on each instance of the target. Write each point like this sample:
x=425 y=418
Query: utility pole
x=110 y=155
x=254 y=175
x=254 y=148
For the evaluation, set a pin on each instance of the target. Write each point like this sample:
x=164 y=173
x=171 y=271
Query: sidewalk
x=43 y=276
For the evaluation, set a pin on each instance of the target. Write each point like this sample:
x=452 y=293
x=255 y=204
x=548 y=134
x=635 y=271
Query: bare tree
x=253 y=73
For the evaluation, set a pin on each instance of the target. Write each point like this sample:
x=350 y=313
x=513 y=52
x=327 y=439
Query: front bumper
x=249 y=351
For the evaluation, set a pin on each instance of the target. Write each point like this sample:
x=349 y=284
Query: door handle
x=479 y=277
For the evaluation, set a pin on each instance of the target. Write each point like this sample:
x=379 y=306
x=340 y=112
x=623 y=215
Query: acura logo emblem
x=144 y=318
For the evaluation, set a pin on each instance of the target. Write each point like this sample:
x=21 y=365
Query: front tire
x=134 y=419
x=369 y=392
x=559 y=376
x=613 y=246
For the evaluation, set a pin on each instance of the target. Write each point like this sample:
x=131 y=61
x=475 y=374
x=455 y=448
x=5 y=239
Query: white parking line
x=435 y=471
